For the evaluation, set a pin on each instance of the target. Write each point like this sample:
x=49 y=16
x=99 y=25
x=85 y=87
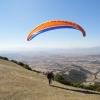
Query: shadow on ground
x=82 y=91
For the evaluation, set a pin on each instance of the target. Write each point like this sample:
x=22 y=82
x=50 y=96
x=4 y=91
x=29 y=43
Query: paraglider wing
x=55 y=24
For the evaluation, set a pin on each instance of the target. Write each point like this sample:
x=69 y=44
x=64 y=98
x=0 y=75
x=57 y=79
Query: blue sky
x=19 y=17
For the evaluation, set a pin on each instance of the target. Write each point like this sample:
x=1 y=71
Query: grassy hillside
x=18 y=83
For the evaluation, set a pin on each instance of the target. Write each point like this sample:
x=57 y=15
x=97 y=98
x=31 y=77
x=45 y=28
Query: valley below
x=87 y=65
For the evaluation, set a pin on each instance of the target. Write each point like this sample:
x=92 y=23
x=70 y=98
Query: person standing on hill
x=50 y=76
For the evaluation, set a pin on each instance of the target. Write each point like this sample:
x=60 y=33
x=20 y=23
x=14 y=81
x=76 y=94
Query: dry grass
x=17 y=83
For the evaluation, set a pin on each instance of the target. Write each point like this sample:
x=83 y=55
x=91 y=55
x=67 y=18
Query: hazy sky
x=19 y=17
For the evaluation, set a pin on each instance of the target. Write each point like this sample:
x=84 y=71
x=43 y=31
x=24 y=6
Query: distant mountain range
x=92 y=50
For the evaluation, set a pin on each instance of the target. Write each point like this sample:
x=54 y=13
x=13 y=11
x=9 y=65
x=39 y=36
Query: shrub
x=5 y=58
x=59 y=78
x=14 y=61
x=36 y=71
x=21 y=63
x=98 y=89
x=27 y=67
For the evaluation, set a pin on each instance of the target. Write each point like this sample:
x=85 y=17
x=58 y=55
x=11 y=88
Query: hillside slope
x=17 y=83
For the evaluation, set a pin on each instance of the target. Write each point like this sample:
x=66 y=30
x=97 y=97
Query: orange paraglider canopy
x=54 y=24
